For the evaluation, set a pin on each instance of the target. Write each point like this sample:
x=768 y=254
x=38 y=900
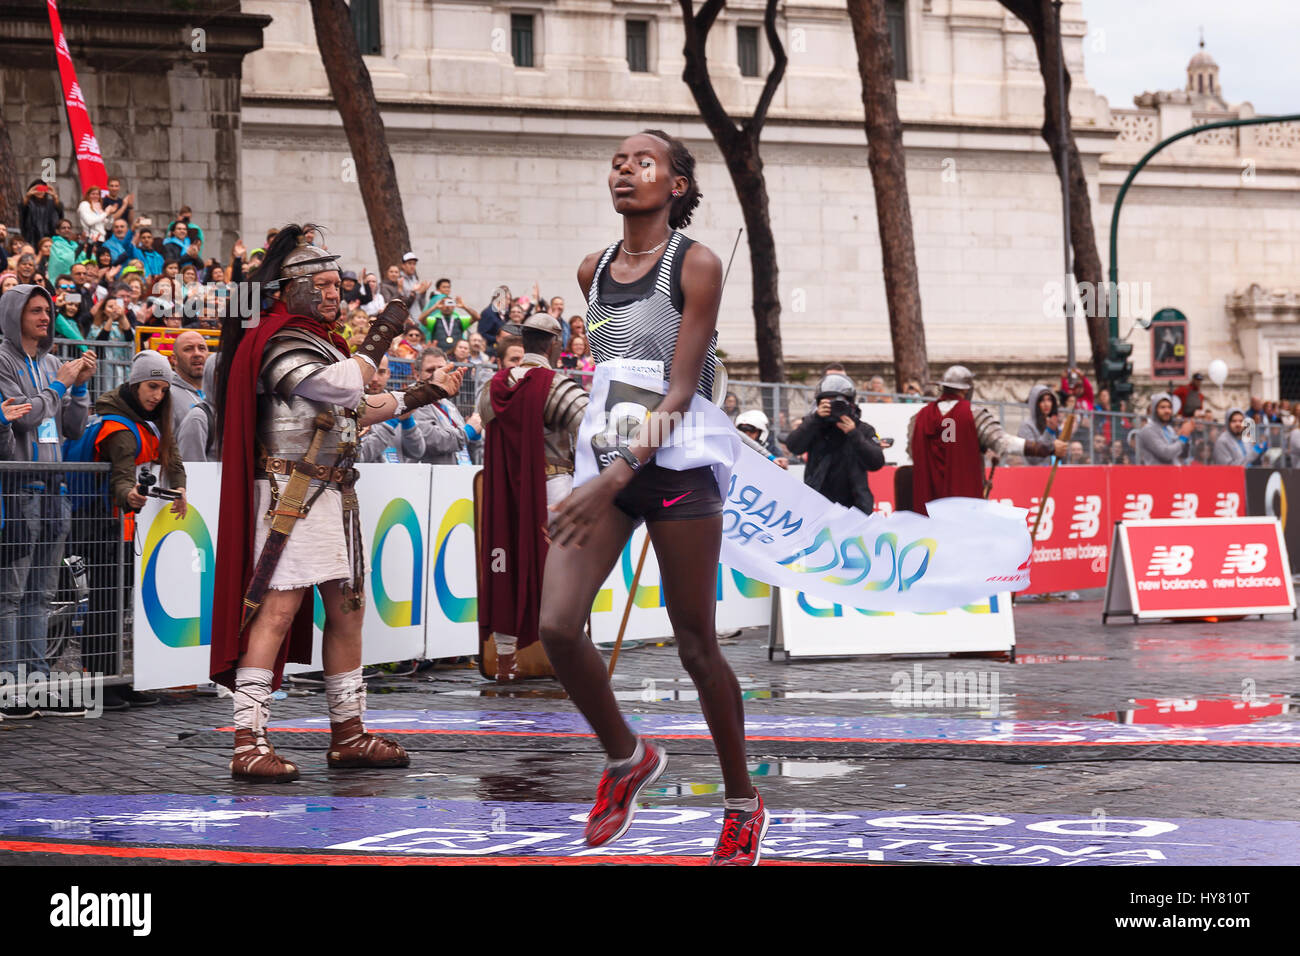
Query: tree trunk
x=888 y=165
x=740 y=149
x=11 y=189
x=746 y=168
x=354 y=95
x=1039 y=16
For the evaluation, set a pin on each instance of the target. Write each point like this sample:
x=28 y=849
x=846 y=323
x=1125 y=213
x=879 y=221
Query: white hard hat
x=756 y=420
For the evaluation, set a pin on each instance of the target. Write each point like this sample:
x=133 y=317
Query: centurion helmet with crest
x=294 y=276
x=305 y=261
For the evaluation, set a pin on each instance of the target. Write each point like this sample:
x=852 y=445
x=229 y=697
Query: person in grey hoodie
x=1158 y=442
x=37 y=513
x=396 y=440
x=448 y=438
x=1042 y=425
x=189 y=359
x=1229 y=449
x=196 y=426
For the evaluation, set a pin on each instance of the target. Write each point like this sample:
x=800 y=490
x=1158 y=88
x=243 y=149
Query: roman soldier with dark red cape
x=290 y=400
x=531 y=415
x=947 y=440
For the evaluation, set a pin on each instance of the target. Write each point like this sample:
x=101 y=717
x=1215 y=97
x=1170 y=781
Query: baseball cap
x=410 y=257
x=350 y=275
x=1199 y=377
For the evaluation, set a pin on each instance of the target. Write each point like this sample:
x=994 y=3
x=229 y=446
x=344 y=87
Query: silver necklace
x=627 y=251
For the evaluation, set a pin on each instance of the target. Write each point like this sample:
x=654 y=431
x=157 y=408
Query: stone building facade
x=502 y=168
x=161 y=81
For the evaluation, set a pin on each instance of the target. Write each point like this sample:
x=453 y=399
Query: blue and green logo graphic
x=398 y=613
x=458 y=609
x=179 y=631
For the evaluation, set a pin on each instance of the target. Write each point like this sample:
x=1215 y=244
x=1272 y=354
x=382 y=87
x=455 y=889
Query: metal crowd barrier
x=65 y=574
x=114 y=360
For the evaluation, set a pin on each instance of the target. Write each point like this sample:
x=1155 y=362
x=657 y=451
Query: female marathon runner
x=652 y=296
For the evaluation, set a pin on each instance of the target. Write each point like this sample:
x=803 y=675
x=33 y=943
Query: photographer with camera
x=841 y=447
x=135 y=435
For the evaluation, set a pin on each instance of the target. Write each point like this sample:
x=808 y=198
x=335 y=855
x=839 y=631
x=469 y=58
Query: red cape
x=951 y=468
x=235 y=528
x=514 y=507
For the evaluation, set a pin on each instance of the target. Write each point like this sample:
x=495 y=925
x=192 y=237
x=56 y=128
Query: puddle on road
x=795 y=771
x=1162 y=650
x=1202 y=711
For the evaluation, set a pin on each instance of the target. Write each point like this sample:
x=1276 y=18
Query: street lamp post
x=1113 y=292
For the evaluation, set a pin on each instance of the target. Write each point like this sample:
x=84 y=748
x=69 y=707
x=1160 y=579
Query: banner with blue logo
x=777 y=530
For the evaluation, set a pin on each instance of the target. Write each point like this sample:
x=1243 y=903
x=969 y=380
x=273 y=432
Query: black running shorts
x=656 y=493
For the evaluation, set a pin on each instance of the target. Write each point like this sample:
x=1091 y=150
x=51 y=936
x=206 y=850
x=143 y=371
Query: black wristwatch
x=622 y=451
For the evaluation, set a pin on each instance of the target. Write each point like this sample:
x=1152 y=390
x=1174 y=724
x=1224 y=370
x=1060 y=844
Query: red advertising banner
x=90 y=164
x=1072 y=547
x=1198 y=568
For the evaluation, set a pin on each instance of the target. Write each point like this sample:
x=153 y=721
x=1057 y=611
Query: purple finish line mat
x=916 y=730
x=495 y=831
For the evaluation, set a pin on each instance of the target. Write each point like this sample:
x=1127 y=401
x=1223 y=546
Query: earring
x=676 y=193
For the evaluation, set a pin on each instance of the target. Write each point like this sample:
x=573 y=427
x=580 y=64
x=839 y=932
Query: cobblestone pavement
x=1068 y=667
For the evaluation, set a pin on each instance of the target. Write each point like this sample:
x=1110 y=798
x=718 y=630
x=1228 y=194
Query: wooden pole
x=627 y=608
x=1066 y=432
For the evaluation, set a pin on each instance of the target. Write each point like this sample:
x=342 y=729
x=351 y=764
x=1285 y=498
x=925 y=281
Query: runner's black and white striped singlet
x=641 y=319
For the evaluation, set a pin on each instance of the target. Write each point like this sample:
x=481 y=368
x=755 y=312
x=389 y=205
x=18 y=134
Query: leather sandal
x=507 y=668
x=351 y=747
x=255 y=760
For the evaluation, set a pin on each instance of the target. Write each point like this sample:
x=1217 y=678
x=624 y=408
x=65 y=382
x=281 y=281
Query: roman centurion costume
x=531 y=416
x=289 y=514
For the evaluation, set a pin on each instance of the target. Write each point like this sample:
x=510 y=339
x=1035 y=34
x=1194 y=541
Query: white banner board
x=804 y=626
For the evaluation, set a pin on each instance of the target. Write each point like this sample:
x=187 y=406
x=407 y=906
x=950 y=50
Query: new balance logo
x=1184 y=505
x=1171 y=561
x=1245 y=559
x=1086 y=521
x=1138 y=507
x=1227 y=504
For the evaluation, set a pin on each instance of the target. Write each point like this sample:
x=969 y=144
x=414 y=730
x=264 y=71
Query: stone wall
x=161 y=82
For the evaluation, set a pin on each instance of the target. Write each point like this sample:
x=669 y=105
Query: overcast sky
x=1139 y=45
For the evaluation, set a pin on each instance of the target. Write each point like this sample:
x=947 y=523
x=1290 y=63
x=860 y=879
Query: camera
x=840 y=406
x=145 y=486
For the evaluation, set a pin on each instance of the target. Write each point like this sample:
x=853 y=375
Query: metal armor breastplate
x=285 y=420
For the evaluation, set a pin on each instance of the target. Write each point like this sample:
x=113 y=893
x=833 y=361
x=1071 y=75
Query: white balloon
x=1218 y=371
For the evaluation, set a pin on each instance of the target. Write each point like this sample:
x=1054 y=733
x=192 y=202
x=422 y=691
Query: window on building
x=1200 y=84
x=747 y=50
x=365 y=24
x=521 y=38
x=1288 y=378
x=638 y=46
x=896 y=27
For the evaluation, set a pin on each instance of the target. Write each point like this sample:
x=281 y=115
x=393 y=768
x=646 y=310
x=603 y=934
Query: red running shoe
x=741 y=842
x=616 y=795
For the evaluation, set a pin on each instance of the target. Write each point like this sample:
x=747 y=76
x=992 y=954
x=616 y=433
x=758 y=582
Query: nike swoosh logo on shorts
x=669 y=504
